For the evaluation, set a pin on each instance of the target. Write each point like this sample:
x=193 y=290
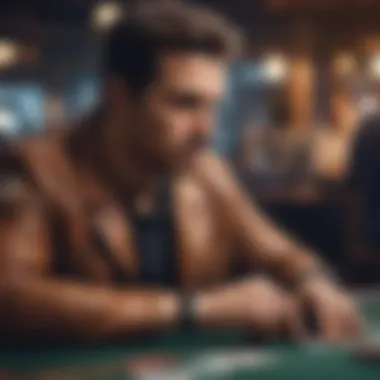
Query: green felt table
x=287 y=361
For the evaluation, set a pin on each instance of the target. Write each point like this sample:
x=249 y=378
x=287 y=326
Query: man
x=130 y=225
x=364 y=185
x=332 y=143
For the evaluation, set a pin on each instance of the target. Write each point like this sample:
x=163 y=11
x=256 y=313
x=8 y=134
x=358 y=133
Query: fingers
x=354 y=324
x=285 y=321
x=276 y=314
x=330 y=328
x=339 y=321
x=294 y=327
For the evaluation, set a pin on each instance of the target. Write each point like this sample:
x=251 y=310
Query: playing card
x=156 y=367
x=218 y=363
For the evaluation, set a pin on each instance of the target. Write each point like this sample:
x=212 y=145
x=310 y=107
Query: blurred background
x=299 y=123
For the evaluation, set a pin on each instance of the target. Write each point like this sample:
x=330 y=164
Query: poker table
x=201 y=355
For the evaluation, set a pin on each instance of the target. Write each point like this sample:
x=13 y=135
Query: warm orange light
x=344 y=64
x=9 y=53
x=374 y=66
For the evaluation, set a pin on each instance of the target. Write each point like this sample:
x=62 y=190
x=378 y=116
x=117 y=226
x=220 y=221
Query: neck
x=122 y=168
x=101 y=154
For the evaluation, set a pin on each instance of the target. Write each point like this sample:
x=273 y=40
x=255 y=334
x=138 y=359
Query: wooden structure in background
x=281 y=5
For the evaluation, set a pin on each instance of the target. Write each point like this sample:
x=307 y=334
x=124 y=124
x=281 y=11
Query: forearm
x=264 y=246
x=270 y=250
x=64 y=310
x=61 y=310
x=273 y=250
x=293 y=267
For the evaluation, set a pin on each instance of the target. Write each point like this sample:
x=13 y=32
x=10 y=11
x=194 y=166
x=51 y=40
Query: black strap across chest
x=155 y=238
x=156 y=241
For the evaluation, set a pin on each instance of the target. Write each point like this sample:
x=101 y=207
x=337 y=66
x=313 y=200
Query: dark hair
x=135 y=43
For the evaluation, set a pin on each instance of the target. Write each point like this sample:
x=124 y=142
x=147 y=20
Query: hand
x=257 y=305
x=335 y=312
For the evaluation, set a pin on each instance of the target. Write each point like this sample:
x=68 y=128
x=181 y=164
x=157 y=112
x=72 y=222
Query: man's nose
x=204 y=124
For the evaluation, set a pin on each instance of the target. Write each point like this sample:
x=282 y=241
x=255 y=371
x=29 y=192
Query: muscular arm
x=35 y=302
x=263 y=244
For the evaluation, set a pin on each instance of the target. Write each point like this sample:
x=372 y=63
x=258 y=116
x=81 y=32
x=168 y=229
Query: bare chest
x=109 y=251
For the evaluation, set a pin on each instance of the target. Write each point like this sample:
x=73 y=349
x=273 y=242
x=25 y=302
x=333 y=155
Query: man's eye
x=187 y=102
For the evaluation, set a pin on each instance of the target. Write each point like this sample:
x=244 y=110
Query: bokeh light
x=275 y=68
x=374 y=66
x=106 y=14
x=344 y=64
x=9 y=53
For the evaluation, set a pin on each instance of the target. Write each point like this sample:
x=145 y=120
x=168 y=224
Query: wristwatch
x=187 y=318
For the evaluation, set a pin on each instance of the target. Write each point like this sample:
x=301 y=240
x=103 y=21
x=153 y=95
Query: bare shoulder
x=12 y=175
x=40 y=144
x=17 y=185
x=213 y=173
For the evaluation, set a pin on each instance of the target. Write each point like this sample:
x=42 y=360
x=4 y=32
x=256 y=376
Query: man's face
x=175 y=116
